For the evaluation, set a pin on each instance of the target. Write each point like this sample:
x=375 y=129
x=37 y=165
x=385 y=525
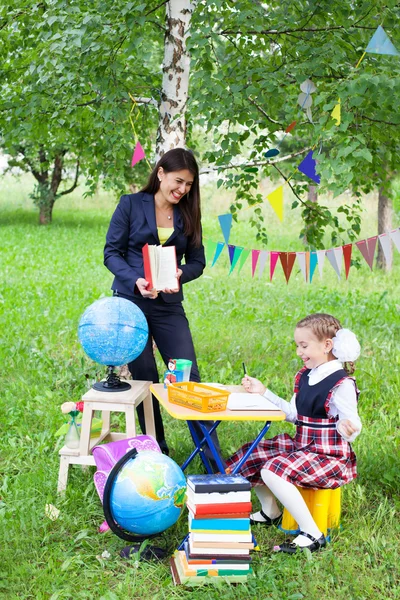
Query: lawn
x=49 y=276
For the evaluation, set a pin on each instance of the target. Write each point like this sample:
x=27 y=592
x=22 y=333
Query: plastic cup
x=184 y=365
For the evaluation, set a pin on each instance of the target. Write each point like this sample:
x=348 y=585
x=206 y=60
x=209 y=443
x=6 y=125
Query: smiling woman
x=167 y=212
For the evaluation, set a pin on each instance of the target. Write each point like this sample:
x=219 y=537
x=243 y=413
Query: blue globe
x=148 y=494
x=113 y=331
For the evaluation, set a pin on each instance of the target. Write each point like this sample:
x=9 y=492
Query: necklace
x=169 y=217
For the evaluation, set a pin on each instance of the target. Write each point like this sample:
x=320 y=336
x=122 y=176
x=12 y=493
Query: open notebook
x=244 y=401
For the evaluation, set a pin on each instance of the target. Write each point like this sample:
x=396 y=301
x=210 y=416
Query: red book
x=232 y=509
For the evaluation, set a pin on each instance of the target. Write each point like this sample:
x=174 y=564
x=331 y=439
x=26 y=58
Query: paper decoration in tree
x=395 y=236
x=287 y=260
x=225 y=222
x=275 y=198
x=218 y=251
x=243 y=257
x=307 y=166
x=210 y=249
x=347 y=250
x=305 y=99
x=290 y=127
x=234 y=253
x=386 y=245
x=138 y=154
x=273 y=259
x=262 y=262
x=381 y=44
x=321 y=258
x=254 y=260
x=335 y=114
x=313 y=264
x=301 y=259
x=335 y=255
x=367 y=249
x=272 y=152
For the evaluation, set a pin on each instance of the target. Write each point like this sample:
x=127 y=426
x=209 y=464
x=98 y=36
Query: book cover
x=201 y=484
x=217 y=497
x=180 y=578
x=203 y=559
x=219 y=509
x=220 y=525
x=198 y=517
x=212 y=570
x=238 y=547
x=239 y=537
x=160 y=266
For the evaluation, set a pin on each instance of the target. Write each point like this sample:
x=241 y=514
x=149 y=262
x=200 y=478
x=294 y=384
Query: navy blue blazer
x=133 y=225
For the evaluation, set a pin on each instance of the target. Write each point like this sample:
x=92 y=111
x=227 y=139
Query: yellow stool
x=324 y=506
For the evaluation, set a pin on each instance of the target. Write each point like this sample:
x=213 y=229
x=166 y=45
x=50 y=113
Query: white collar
x=326 y=369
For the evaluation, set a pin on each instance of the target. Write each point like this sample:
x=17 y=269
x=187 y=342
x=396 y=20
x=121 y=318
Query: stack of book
x=219 y=542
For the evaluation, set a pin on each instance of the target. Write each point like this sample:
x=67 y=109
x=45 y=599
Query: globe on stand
x=113 y=331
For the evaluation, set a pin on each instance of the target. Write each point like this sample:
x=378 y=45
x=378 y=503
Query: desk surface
x=187 y=414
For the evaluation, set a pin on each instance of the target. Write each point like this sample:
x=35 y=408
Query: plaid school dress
x=318 y=456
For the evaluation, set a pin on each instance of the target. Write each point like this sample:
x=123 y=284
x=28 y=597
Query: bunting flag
x=225 y=222
x=242 y=259
x=262 y=261
x=381 y=44
x=287 y=260
x=138 y=154
x=307 y=166
x=272 y=264
x=254 y=260
x=301 y=259
x=367 y=249
x=234 y=253
x=218 y=251
x=290 y=127
x=347 y=250
x=210 y=249
x=395 y=236
x=276 y=200
x=336 y=113
x=384 y=240
x=331 y=256
x=321 y=258
x=313 y=264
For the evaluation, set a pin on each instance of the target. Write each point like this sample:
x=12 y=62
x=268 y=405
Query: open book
x=160 y=267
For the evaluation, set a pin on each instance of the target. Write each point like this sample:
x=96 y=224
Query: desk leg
x=149 y=415
x=210 y=443
x=251 y=448
x=199 y=447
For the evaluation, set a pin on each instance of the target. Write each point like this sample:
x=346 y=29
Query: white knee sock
x=293 y=501
x=268 y=504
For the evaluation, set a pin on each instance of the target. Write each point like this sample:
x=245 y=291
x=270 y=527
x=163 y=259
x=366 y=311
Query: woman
x=166 y=212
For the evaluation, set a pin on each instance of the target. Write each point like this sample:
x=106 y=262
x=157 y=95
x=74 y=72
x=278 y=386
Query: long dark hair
x=179 y=159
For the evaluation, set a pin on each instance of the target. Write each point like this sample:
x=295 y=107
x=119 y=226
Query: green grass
x=48 y=277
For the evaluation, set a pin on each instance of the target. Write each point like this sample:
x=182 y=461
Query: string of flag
x=307 y=260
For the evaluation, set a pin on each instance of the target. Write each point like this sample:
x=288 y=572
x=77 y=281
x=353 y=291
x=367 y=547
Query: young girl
x=324 y=409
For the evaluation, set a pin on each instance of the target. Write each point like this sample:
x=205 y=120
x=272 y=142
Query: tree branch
x=256 y=163
x=291 y=31
x=75 y=184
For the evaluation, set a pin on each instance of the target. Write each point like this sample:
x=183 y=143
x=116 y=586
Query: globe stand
x=112 y=383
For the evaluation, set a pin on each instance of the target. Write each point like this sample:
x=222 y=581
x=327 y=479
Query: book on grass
x=160 y=267
x=238 y=547
x=212 y=570
x=217 y=497
x=179 y=577
x=201 y=559
x=202 y=484
x=217 y=536
x=218 y=524
x=218 y=510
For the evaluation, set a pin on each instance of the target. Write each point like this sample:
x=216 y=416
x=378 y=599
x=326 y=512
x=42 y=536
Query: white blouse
x=343 y=401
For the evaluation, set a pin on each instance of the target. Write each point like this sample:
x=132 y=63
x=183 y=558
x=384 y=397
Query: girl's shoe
x=268 y=521
x=291 y=548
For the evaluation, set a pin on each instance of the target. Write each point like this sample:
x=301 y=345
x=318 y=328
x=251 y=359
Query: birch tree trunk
x=171 y=131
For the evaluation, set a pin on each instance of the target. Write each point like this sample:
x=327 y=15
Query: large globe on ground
x=148 y=494
x=113 y=331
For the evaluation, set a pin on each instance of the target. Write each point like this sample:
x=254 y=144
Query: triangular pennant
x=243 y=257
x=371 y=243
x=339 y=256
x=138 y=154
x=272 y=263
x=307 y=166
x=307 y=265
x=313 y=264
x=336 y=113
x=231 y=251
x=276 y=200
x=330 y=255
x=386 y=245
x=237 y=251
x=381 y=44
x=347 y=250
x=210 y=250
x=301 y=258
x=367 y=249
x=262 y=262
x=287 y=260
x=395 y=237
x=290 y=127
x=321 y=258
x=218 y=251
x=254 y=259
x=225 y=222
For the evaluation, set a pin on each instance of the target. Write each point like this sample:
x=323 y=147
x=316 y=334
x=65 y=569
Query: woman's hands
x=143 y=287
x=173 y=291
x=253 y=385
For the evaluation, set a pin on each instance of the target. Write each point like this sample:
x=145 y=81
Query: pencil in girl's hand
x=244 y=369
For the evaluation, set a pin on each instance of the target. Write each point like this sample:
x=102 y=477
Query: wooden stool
x=107 y=402
x=324 y=506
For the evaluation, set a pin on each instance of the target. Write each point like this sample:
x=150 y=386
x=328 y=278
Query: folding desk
x=189 y=415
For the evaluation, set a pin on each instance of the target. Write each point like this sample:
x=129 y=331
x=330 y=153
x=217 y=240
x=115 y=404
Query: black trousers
x=169 y=328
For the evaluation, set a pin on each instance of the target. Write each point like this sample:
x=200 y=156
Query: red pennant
x=254 y=259
x=287 y=260
x=273 y=260
x=347 y=250
x=367 y=249
x=290 y=127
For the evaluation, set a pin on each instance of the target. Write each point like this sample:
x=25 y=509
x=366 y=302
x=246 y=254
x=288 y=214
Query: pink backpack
x=107 y=455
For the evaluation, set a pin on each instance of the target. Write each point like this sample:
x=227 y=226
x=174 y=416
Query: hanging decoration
x=307 y=167
x=138 y=153
x=275 y=199
x=336 y=113
x=225 y=222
